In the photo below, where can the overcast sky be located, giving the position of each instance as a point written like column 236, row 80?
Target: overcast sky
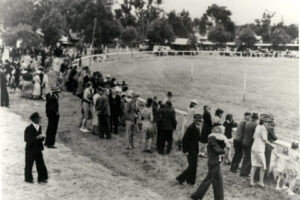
column 243, row 11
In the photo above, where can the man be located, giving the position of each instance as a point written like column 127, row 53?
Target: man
column 206, row 130
column 168, row 98
column 168, row 123
column 103, row 109
column 238, row 143
column 131, row 114
column 217, row 142
column 190, row 147
column 271, row 138
column 115, row 105
column 33, row 150
column 247, row 140
column 52, row 112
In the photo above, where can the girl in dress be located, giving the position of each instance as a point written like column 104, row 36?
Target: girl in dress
column 293, row 167
column 36, row 85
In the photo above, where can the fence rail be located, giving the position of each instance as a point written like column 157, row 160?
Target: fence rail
column 146, row 54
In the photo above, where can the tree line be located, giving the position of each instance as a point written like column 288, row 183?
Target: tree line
column 133, row 22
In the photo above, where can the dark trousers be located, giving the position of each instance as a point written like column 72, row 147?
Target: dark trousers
column 238, row 155
column 215, row 178
column 114, row 123
column 104, row 129
column 51, row 130
column 166, row 136
column 189, row 175
column 246, row 164
column 30, row 157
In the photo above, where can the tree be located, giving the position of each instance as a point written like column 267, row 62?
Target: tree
column 182, row 23
column 24, row 33
column 160, row 32
column 246, row 36
column 218, row 34
column 279, row 36
column 293, row 31
column 129, row 36
column 264, row 26
column 53, row 25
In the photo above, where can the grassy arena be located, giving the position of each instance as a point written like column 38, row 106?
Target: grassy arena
column 272, row 84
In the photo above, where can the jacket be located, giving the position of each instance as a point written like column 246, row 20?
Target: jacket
column 102, row 106
column 249, row 132
column 190, row 141
column 215, row 148
column 131, row 111
column 52, row 106
column 167, row 118
column 32, row 143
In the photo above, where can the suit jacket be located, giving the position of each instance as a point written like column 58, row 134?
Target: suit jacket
column 131, row 109
column 191, row 139
column 167, row 118
column 52, row 106
column 115, row 105
column 214, row 149
column 32, row 144
column 102, row 105
column 249, row 132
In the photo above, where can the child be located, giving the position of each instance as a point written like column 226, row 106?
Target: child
column 279, row 168
column 229, row 125
column 293, row 167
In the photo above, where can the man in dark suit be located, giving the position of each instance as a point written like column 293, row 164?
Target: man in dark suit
column 33, row 150
column 190, row 146
column 115, row 106
column 52, row 112
column 103, row 108
column 168, row 123
column 215, row 148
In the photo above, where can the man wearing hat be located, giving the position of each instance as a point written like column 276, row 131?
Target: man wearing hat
column 33, row 150
column 131, row 114
column 190, row 146
column 52, row 112
column 103, row 109
column 216, row 146
column 247, row 139
column 115, row 105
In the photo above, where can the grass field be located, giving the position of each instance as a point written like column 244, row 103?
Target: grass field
column 272, row 84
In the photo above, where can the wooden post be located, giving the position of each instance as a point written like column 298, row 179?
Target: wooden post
column 244, row 84
column 192, row 72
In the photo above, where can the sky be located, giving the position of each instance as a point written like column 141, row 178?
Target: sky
column 243, row 11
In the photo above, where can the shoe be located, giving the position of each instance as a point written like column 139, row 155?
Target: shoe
column 243, row 175
column 251, row 185
column 31, row 182
column 85, row 130
column 52, row 147
column 43, row 182
column 291, row 193
column 261, row 185
column 180, row 182
column 148, row 151
column 278, row 188
column 194, row 198
column 284, row 187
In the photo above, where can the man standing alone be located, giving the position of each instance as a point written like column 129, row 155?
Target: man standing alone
column 33, row 150
column 52, row 112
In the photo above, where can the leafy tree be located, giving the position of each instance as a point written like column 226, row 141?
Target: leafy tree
column 279, row 36
column 129, row 36
column 246, row 36
column 218, row 34
column 293, row 31
column 160, row 32
column 182, row 23
column 22, row 32
column 264, row 26
column 52, row 25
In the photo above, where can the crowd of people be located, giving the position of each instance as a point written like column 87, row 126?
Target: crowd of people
column 110, row 104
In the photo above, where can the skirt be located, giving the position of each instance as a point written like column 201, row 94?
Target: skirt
column 86, row 110
column 27, row 88
column 258, row 159
column 148, row 130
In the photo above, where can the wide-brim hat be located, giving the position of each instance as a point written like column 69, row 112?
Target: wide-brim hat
column 265, row 118
column 35, row 115
column 254, row 116
column 195, row 101
column 54, row 89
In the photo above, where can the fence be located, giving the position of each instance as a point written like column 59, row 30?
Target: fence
column 88, row 60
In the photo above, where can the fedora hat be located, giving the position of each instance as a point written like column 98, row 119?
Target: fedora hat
column 34, row 116
column 265, row 118
column 54, row 89
column 198, row 117
column 195, row 101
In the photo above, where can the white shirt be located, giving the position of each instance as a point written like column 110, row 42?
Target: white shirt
column 36, row 126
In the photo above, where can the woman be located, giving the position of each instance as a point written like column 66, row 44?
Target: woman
column 86, row 106
column 147, row 127
column 36, row 85
column 258, row 159
column 3, row 90
column 95, row 121
column 217, row 119
column 45, row 85
column 205, row 131
column 27, row 85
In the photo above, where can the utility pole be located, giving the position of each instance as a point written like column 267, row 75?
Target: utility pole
column 93, row 40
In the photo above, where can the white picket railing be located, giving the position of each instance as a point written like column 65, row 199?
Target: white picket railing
column 147, row 54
